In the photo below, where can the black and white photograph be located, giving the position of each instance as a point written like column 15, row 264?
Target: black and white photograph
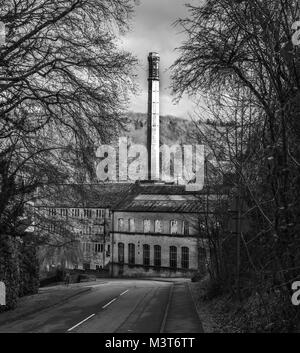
column 149, row 169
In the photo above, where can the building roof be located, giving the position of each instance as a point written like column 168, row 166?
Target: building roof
column 165, row 198
column 104, row 195
column 137, row 197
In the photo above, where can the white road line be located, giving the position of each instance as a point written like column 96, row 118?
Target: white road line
column 124, row 292
column 81, row 322
column 106, row 305
column 103, row 307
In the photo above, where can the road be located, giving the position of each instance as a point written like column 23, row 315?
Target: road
column 113, row 306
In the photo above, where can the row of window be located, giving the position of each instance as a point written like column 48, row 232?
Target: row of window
column 156, row 255
column 92, row 230
column 89, row 247
column 157, row 226
column 77, row 212
column 88, row 230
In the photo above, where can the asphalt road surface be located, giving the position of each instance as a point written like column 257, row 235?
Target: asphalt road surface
column 114, row 306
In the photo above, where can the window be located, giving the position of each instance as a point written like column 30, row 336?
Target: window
column 173, row 256
column 75, row 212
column 185, row 227
column 185, row 257
column 131, row 254
column 157, row 226
column 52, row 211
column 87, row 213
column 87, row 230
column 63, row 212
column 131, row 225
column 100, row 230
column 86, row 247
column 147, row 225
column 100, row 213
column 146, row 255
column 98, row 247
column 120, row 224
column 121, row 253
column 173, row 227
column 157, row 256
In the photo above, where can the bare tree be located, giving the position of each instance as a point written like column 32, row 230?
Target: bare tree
column 240, row 59
column 63, row 89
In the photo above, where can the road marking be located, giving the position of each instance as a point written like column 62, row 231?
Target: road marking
column 103, row 307
column 124, row 292
column 106, row 305
column 81, row 322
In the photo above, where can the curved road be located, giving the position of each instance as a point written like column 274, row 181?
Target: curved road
column 113, row 306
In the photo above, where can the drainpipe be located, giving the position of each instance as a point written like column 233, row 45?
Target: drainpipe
column 112, row 244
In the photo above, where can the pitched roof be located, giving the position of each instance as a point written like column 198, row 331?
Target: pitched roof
column 164, row 198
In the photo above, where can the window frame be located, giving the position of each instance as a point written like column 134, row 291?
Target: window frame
column 121, row 259
column 144, row 224
column 185, row 257
column 146, row 255
column 173, row 257
column 120, row 224
column 131, row 254
column 156, row 258
column 175, row 221
column 156, row 230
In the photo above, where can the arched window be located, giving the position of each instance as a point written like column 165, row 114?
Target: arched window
column 185, row 257
column 157, row 256
column 146, row 255
column 173, row 257
column 131, row 254
column 120, row 253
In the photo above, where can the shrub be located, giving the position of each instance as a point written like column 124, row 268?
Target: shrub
column 212, row 289
column 9, row 270
column 29, row 268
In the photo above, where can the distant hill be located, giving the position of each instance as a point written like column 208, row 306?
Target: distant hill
column 172, row 129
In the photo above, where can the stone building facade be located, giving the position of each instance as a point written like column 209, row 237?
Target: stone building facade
column 78, row 219
column 155, row 232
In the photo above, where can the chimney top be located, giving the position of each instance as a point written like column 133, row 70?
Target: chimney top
column 153, row 60
column 153, row 54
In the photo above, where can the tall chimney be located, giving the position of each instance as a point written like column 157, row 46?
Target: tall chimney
column 153, row 117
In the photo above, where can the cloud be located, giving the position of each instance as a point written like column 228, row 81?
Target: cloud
column 152, row 30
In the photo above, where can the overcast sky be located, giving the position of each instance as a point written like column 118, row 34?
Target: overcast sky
column 152, row 30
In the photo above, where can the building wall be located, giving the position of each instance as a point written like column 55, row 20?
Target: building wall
column 165, row 240
column 86, row 225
